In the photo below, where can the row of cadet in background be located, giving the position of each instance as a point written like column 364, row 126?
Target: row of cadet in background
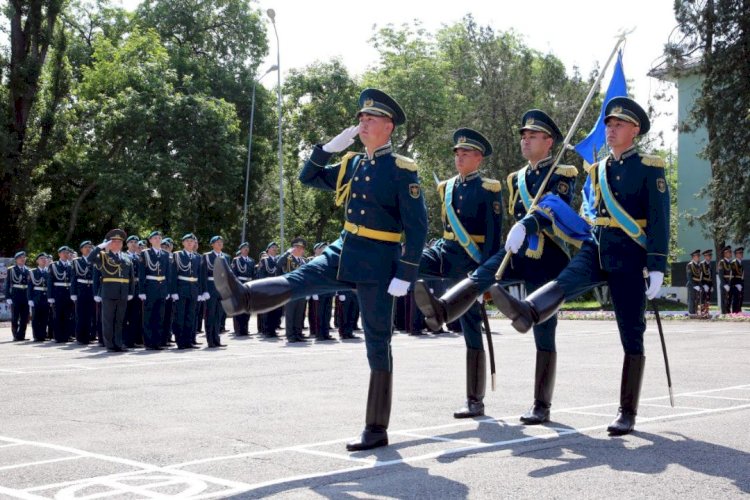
column 726, row 277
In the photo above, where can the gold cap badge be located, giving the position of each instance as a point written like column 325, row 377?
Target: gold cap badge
column 461, row 139
column 617, row 110
column 530, row 122
column 369, row 103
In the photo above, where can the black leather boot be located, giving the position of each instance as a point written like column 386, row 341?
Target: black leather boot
column 476, row 370
column 378, row 413
column 630, row 393
column 544, row 386
column 537, row 308
column 451, row 306
column 258, row 296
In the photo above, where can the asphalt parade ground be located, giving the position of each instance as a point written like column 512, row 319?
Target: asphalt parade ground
column 265, row 419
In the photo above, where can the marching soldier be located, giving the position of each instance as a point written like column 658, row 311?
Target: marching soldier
column 211, row 296
column 133, row 332
column 383, row 202
column 707, row 274
column 539, row 256
column 186, row 288
column 471, row 216
column 244, row 268
column 37, row 295
column 629, row 204
column 294, row 310
column 168, row 321
column 17, row 295
column 117, row 286
column 58, row 294
column 724, row 271
column 154, row 272
column 694, row 283
column 738, row 280
column 82, row 293
column 267, row 268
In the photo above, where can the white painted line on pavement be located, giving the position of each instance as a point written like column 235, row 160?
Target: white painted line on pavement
column 40, row 462
column 680, row 407
column 9, row 445
column 590, row 413
column 338, row 456
column 717, row 397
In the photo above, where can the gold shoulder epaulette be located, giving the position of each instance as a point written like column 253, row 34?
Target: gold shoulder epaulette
column 588, row 166
column 653, row 161
column 491, row 185
column 441, row 187
column 566, row 170
column 405, row 163
column 509, row 180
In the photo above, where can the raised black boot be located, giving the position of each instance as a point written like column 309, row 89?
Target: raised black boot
column 537, row 308
column 630, row 392
column 476, row 370
column 257, row 296
column 451, row 306
column 544, row 385
column 378, row 413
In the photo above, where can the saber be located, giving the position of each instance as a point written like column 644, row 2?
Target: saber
column 620, row 40
column 490, row 347
column 663, row 342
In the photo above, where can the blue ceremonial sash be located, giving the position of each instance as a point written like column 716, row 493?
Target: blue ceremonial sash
column 626, row 222
column 458, row 229
column 536, row 244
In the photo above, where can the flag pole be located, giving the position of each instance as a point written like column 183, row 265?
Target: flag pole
column 620, row 40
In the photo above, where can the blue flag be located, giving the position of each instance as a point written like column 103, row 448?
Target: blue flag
column 596, row 140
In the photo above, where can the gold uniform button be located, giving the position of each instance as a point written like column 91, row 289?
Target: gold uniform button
column 617, row 178
column 354, row 195
column 356, row 178
column 364, row 196
column 372, row 162
column 362, row 212
column 349, row 211
column 617, row 194
column 461, row 197
column 458, row 211
column 367, row 178
column 604, row 210
column 537, row 172
column 620, row 162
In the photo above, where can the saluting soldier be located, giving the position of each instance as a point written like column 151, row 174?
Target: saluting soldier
column 268, row 267
column 58, row 294
column 133, row 332
column 539, row 255
column 82, row 293
column 154, row 272
column 244, row 268
column 629, row 204
column 17, row 295
column 738, row 280
column 707, row 273
column 294, row 310
column 472, row 218
column 186, row 287
column 37, row 295
column 168, row 322
column 383, row 201
column 214, row 313
column 694, row 282
column 117, row 286
column 724, row 271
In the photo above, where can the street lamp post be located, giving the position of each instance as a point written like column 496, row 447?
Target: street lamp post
column 272, row 16
column 250, row 150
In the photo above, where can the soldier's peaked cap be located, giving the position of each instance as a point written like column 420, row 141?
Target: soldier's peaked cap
column 466, row 138
column 378, row 103
column 628, row 110
column 116, row 234
column 538, row 120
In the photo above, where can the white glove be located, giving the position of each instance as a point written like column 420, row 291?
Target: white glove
column 726, row 288
column 656, row 278
column 104, row 244
column 51, row 301
column 130, row 297
column 480, row 299
column 206, row 296
column 175, row 297
column 738, row 287
column 74, row 297
column 697, row 288
column 97, row 298
column 315, row 297
column 342, row 141
column 705, row 288
column 200, row 298
column 515, row 238
column 398, row 288
column 9, row 301
column 31, row 303
column 342, row 298
column 142, row 296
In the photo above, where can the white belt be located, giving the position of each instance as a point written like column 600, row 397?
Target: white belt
column 41, row 288
column 210, row 278
column 155, row 278
column 86, row 282
column 58, row 283
column 187, row 278
column 244, row 278
column 19, row 286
